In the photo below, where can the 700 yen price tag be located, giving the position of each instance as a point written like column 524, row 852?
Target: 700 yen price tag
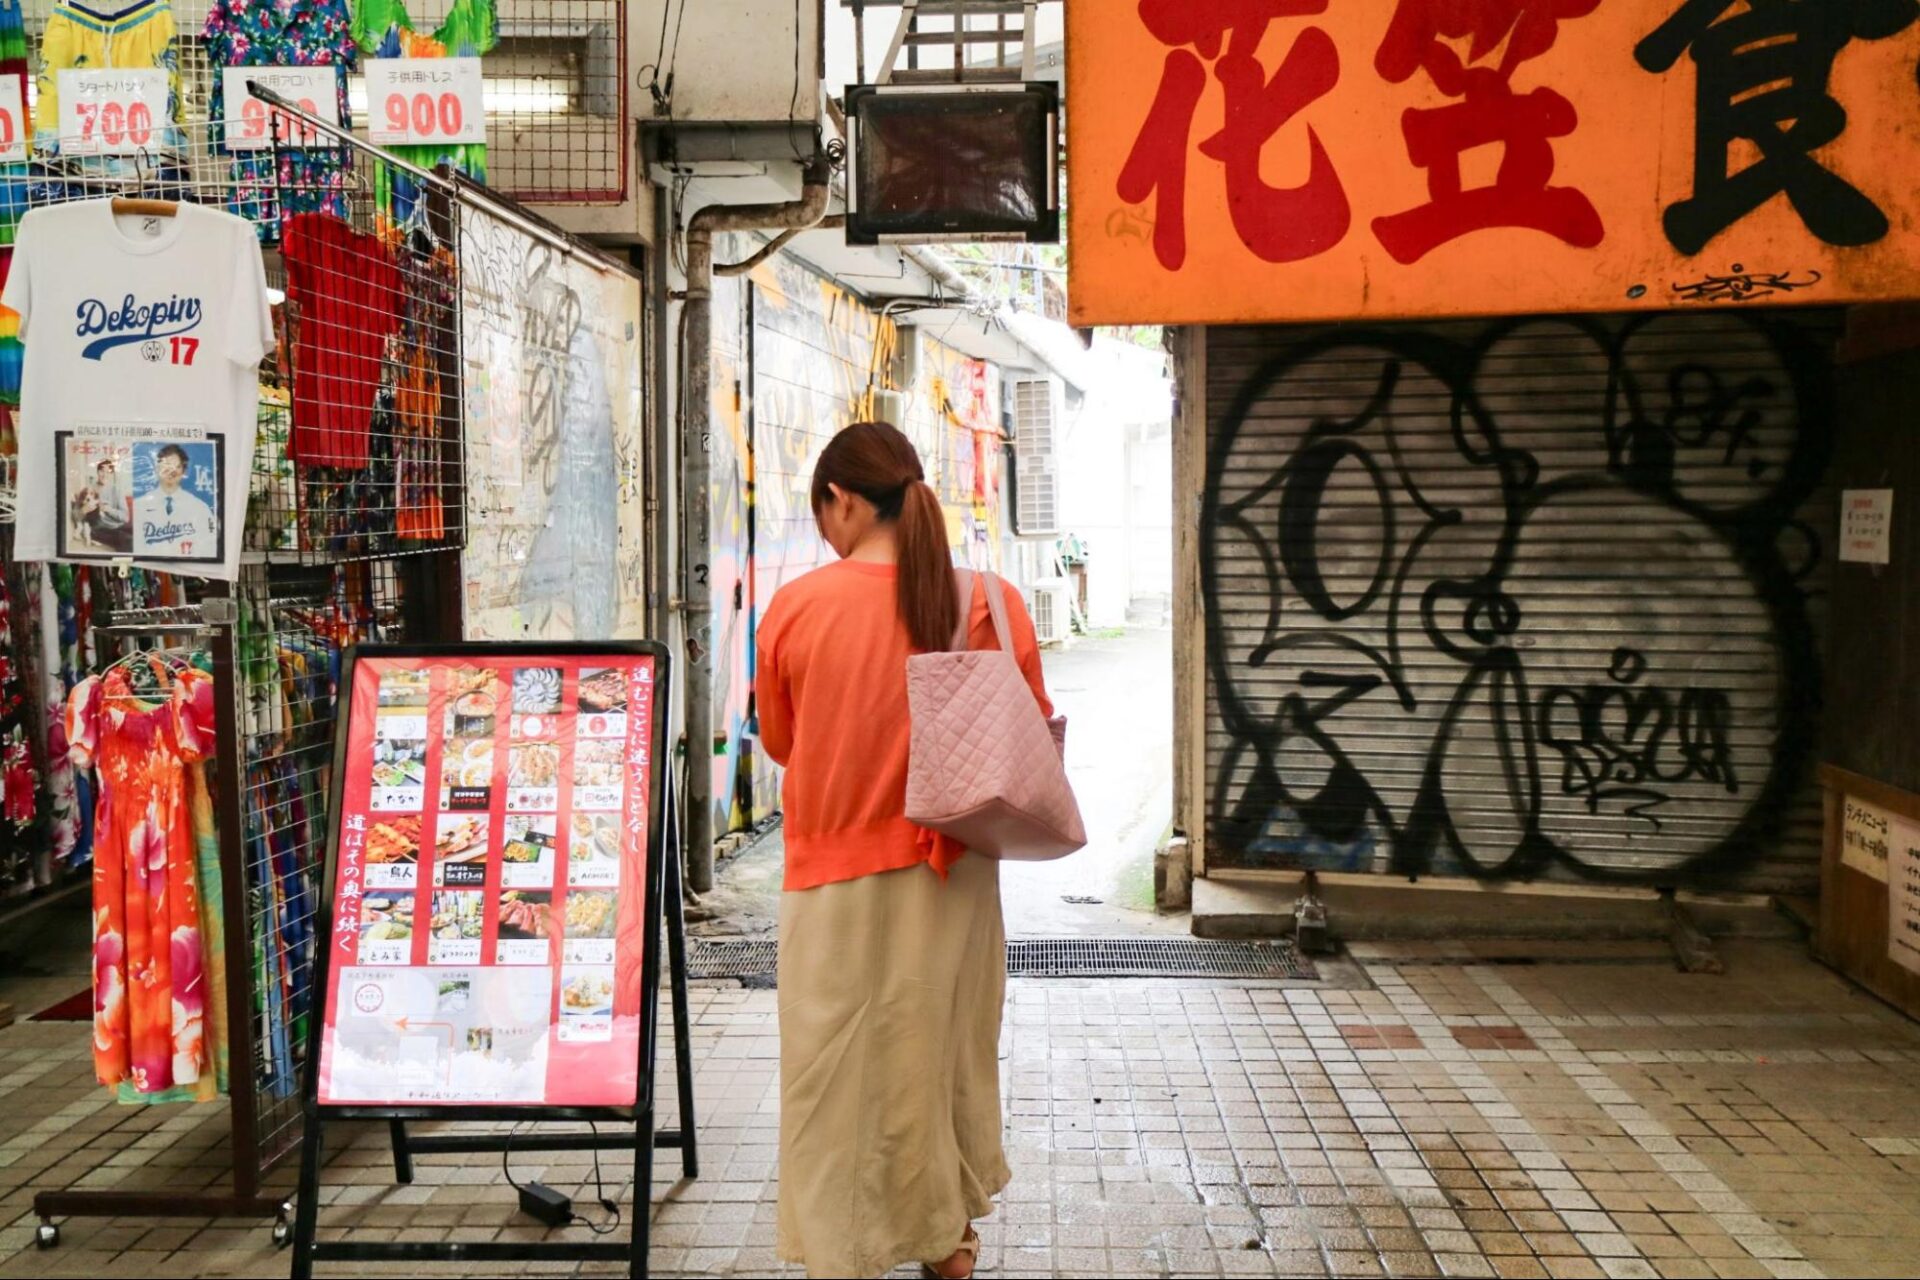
column 117, row 112
column 13, row 121
column 411, row 101
column 315, row 90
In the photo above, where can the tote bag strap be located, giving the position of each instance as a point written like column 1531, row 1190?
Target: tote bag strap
column 963, row 582
column 996, row 606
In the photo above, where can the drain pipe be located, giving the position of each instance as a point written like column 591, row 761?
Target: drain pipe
column 696, row 588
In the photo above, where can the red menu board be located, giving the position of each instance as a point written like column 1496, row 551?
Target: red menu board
column 489, row 877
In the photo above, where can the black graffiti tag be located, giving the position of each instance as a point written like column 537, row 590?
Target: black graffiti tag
column 1448, row 666
column 1632, row 745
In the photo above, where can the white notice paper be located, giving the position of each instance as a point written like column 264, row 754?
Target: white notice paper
column 1903, row 895
column 1866, row 525
column 1865, row 833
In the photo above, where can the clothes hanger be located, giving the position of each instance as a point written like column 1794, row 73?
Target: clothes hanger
column 142, row 206
column 173, row 662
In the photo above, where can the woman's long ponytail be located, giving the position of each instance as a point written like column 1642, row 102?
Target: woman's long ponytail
column 929, row 604
column 878, row 462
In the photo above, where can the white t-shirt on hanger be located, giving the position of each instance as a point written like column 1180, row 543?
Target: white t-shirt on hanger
column 140, row 397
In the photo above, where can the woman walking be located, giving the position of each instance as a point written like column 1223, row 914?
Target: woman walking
column 892, row 950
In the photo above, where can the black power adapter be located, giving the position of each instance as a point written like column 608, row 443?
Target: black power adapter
column 543, row 1204
column 537, row 1200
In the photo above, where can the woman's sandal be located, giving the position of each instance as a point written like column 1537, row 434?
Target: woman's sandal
column 969, row 1250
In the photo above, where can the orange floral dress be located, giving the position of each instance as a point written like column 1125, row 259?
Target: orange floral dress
column 149, row 979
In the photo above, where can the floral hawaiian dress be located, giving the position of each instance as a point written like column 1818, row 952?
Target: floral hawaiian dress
column 285, row 33
column 150, row 988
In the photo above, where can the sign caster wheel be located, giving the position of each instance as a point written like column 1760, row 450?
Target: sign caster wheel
column 47, row 1236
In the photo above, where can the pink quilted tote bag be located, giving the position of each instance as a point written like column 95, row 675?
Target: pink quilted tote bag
column 985, row 767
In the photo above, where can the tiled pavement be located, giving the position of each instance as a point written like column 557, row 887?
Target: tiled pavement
column 1449, row 1117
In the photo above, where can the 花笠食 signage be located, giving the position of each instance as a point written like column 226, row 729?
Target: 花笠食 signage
column 1251, row 160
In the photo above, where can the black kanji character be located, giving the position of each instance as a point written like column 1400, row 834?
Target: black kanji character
column 1762, row 76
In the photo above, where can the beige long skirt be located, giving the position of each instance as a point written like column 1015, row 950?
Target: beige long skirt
column 891, row 988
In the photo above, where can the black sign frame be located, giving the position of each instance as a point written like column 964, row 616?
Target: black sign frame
column 662, row 906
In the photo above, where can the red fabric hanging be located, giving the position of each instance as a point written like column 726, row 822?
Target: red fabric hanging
column 347, row 288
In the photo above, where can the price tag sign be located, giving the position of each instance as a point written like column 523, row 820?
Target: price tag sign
column 120, row 112
column 13, row 121
column 415, row 101
column 315, row 90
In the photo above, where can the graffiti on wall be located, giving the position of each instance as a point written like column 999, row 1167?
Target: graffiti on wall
column 555, row 440
column 1534, row 604
column 797, row 358
column 954, row 420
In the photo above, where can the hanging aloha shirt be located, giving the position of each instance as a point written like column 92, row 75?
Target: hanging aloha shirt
column 281, row 33
column 150, row 988
column 383, row 30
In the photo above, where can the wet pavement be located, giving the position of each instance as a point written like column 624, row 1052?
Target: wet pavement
column 1117, row 694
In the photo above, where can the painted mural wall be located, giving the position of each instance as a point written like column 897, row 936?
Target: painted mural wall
column 797, row 358
column 554, row 353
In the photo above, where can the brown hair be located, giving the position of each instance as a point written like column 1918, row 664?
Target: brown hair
column 878, row 462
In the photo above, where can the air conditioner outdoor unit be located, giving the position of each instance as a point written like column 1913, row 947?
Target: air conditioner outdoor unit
column 1052, row 611
column 1038, row 407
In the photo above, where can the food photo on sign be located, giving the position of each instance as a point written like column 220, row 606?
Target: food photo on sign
column 498, row 950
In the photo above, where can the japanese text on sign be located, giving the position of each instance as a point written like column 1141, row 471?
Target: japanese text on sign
column 413, row 101
column 1292, row 159
column 1866, row 526
column 250, row 122
column 1903, row 895
column 488, row 881
column 118, row 112
column 1864, row 833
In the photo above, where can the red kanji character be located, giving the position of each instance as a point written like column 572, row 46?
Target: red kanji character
column 1413, row 39
column 1489, row 112
column 1280, row 224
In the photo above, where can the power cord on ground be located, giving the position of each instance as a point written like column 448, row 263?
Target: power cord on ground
column 543, row 1203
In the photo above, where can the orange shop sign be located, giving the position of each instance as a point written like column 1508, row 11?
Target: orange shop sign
column 1257, row 160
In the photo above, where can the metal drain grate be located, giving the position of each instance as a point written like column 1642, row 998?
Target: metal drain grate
column 1057, row 958
column 731, row 957
column 1153, row 958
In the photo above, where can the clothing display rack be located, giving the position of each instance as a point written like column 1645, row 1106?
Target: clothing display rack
column 339, row 551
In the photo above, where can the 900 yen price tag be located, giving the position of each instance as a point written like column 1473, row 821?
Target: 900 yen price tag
column 411, row 101
column 13, row 121
column 250, row 126
column 117, row 112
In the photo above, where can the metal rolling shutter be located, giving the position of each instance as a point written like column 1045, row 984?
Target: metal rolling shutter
column 1528, row 599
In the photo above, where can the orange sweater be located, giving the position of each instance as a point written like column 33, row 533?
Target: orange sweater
column 831, row 691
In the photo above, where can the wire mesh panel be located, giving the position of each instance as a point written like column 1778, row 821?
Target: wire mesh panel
column 293, row 625
column 557, row 100
column 361, row 455
column 359, row 447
